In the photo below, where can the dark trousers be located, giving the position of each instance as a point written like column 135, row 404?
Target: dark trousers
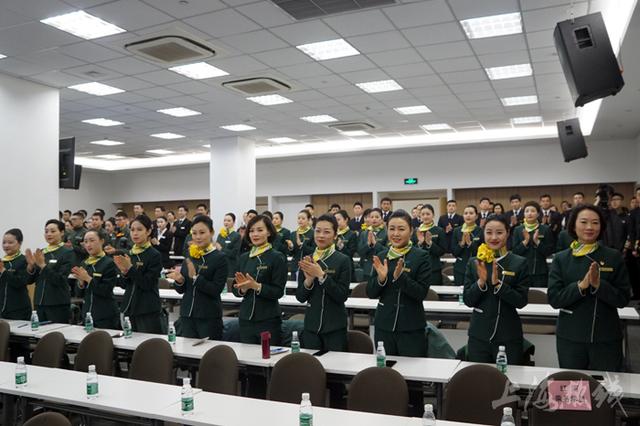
column 57, row 313
column 250, row 330
column 403, row 343
column 21, row 314
column 110, row 323
column 147, row 323
column 331, row 341
column 604, row 356
column 485, row 351
column 200, row 328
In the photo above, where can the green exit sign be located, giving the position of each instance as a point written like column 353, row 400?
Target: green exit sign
column 410, row 181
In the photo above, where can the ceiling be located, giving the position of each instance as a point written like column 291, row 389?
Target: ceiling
column 419, row 44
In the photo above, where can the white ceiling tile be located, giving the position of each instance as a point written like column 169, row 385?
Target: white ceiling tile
column 508, row 43
column 409, row 70
column 547, row 67
column 422, row 13
column 130, row 14
column 544, row 54
column 538, row 4
column 543, row 19
column 129, row 65
column 128, row 98
column 476, row 86
column 396, row 57
column 346, row 90
column 509, row 83
column 540, row 39
column 358, row 23
column 89, row 52
column 283, row 57
column 21, row 68
column 33, row 36
column 455, row 49
column 93, row 73
column 255, row 41
column 51, row 59
column 304, row 70
column 37, row 9
column 465, row 9
column 266, row 14
column 433, row 34
column 323, row 82
column 504, row 59
column 9, row 18
column 189, row 87
column 128, row 83
column 480, row 95
column 158, row 93
column 305, row 32
column 379, row 42
column 464, row 76
column 365, row 75
column 162, row 77
column 348, row 64
column 239, row 65
column 222, row 23
column 234, row 3
column 56, row 79
column 192, row 7
column 421, row 81
column 455, row 64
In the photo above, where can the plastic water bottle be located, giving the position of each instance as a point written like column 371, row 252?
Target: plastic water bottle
column 461, row 299
column 381, row 355
column 21, row 373
column 171, row 336
column 186, row 397
column 126, row 328
column 225, row 289
column 92, row 383
column 501, row 360
column 35, row 321
column 88, row 323
column 428, row 418
column 507, row 417
column 295, row 343
column 306, row 411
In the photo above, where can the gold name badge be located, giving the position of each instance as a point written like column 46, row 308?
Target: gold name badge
column 97, row 275
column 204, row 267
column 606, row 269
column 262, row 268
column 406, row 269
column 330, row 271
column 476, row 239
column 139, row 264
column 509, row 273
column 53, row 261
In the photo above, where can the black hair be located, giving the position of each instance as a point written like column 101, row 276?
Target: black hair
column 331, row 219
column 162, row 209
column 309, row 205
column 306, row 213
column 69, row 211
column 182, row 206
column 233, row 216
column 122, row 214
column 202, row 205
column 498, row 204
column 78, row 213
column 267, row 222
column 163, row 218
column 83, row 212
column 452, row 201
column 56, row 222
column 99, row 214
column 357, row 203
column 579, row 193
column 95, row 231
column 16, row 233
column 385, row 199
column 428, row 207
column 171, row 212
column 471, row 206
column 344, row 214
column 617, row 194
column 203, row 219
column 533, row 204
column 366, row 213
column 279, row 213
column 515, row 197
column 268, row 213
column 497, row 218
column 376, row 209
column 139, row 204
column 485, row 198
column 112, row 220
column 334, row 205
column 401, row 214
column 571, row 225
column 545, row 196
column 144, row 220
column 252, row 211
column 101, row 211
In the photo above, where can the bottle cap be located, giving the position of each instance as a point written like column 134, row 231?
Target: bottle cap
column 92, row 368
column 428, row 408
column 20, row 359
column 507, row 411
column 380, row 343
column 294, row 334
column 501, row 348
column 305, row 396
column 186, row 381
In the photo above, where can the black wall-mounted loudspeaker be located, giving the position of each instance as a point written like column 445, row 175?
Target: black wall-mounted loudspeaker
column 66, row 163
column 587, row 59
column 571, row 140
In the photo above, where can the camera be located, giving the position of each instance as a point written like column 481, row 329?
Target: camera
column 603, row 194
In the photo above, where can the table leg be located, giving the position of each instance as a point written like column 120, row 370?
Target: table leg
column 439, row 398
column 8, row 410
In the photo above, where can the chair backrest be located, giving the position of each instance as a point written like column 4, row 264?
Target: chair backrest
column 218, row 371
column 379, row 390
column 360, row 290
column 5, row 333
column 432, row 295
column 359, row 342
column 49, row 351
column 48, row 419
column 538, row 297
column 96, row 348
column 164, row 284
column 446, row 280
column 296, row 374
column 483, row 391
column 230, row 282
column 540, row 413
column 153, row 362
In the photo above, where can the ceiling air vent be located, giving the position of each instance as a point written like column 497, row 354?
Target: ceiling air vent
column 257, row 86
column 171, row 48
column 305, row 9
column 141, row 156
column 352, row 126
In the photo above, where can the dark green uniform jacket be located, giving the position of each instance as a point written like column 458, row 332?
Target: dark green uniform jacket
column 52, row 287
column 270, row 270
column 437, row 249
column 494, row 309
column 98, row 294
column 463, row 254
column 347, row 244
column 280, row 242
column 325, row 311
column 536, row 255
column 231, row 250
column 76, row 237
column 564, row 240
column 400, row 305
column 14, row 297
column 307, row 247
column 590, row 316
column 202, row 296
column 366, row 252
column 141, row 295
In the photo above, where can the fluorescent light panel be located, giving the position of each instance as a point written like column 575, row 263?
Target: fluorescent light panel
column 355, row 133
column 410, row 110
column 83, row 25
column 282, row 140
column 268, row 100
column 179, row 112
column 2, row 56
column 207, row 146
column 509, row 71
column 238, row 127
column 167, row 135
column 519, row 100
column 199, row 71
column 160, row 151
column 106, row 142
column 319, row 118
column 527, row 120
column 329, row 49
column 379, row 86
column 436, row 126
column 110, row 156
column 97, row 89
column 493, row 26
column 104, row 122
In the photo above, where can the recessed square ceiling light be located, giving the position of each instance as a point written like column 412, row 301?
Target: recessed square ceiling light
column 97, row 89
column 282, row 140
column 107, row 142
column 104, row 122
column 167, row 135
column 436, row 126
column 527, row 120
column 199, row 71
column 329, row 49
column 160, row 151
column 2, row 56
column 379, row 86
column 410, row 110
column 493, row 26
column 268, row 100
column 319, row 118
column 83, row 25
column 238, row 127
column 519, row 100
column 179, row 112
column 207, row 146
column 110, row 156
column 509, row 71
column 355, row 133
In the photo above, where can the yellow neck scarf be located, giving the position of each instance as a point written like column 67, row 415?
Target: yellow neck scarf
column 137, row 249
column 257, row 251
column 396, row 253
column 578, row 249
column 304, row 230
column 196, row 252
column 363, row 226
column 486, row 254
column 322, row 254
column 424, row 227
column 92, row 260
column 530, row 227
column 50, row 249
column 343, row 231
column 224, row 232
column 375, row 229
column 279, row 228
column 468, row 228
column 12, row 257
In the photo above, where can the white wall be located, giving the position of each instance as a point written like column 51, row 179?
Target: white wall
column 29, row 120
column 96, row 191
column 290, row 206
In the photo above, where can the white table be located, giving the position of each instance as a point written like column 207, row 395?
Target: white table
column 23, row 328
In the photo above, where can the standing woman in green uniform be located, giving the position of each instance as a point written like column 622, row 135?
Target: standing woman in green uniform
column 283, row 244
column 14, row 297
column 535, row 242
column 347, row 240
column 564, row 240
column 371, row 241
column 302, row 240
column 228, row 242
column 201, row 279
column 97, row 275
column 400, row 282
column 324, row 286
column 49, row 269
column 588, row 283
column 260, row 281
column 139, row 275
column 466, row 240
column 496, row 284
column 431, row 238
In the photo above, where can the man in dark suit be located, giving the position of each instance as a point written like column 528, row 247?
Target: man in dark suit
column 355, row 223
column 450, row 221
column 181, row 228
column 549, row 217
column 515, row 216
column 385, row 206
column 485, row 211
